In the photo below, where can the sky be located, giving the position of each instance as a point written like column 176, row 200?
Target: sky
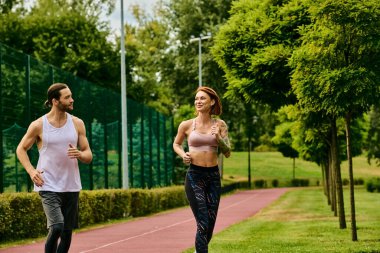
column 115, row 17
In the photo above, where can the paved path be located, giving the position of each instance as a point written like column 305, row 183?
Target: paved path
column 168, row 232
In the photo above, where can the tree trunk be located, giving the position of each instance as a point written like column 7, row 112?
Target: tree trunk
column 294, row 168
column 249, row 161
column 332, row 183
column 338, row 178
column 327, row 181
column 351, row 175
column 249, row 131
column 323, row 171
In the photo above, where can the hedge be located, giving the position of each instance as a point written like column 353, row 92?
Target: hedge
column 373, row 185
column 22, row 216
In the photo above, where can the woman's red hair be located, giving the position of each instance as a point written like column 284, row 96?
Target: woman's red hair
column 216, row 108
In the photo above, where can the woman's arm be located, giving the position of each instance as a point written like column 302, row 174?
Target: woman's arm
column 178, row 141
column 223, row 140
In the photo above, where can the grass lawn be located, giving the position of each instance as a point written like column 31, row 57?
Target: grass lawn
column 301, row 221
column 272, row 165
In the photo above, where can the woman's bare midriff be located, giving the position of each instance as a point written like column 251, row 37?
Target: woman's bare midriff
column 204, row 158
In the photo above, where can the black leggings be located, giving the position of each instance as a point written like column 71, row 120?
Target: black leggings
column 56, row 232
column 202, row 186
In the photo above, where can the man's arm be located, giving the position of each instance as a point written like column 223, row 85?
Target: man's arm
column 84, row 153
column 25, row 144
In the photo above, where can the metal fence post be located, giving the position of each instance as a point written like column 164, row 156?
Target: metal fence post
column 131, row 150
column 90, row 166
column 28, row 111
column 142, row 181
column 172, row 133
column 120, row 180
column 105, row 139
column 1, row 123
column 165, row 153
column 150, row 150
column 158, row 149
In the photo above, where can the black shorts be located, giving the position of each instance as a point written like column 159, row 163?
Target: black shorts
column 61, row 207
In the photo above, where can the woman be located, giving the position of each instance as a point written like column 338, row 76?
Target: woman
column 206, row 137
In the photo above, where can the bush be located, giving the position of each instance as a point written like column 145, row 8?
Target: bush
column 22, row 216
column 357, row 181
column 260, row 183
column 5, row 218
column 103, row 205
column 231, row 186
column 297, row 182
column 275, row 183
column 373, row 185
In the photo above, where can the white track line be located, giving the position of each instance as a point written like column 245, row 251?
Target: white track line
column 163, row 228
column 238, row 203
column 136, row 236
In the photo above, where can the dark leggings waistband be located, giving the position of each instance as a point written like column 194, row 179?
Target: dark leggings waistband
column 201, row 168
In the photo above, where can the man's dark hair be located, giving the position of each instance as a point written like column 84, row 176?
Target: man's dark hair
column 54, row 91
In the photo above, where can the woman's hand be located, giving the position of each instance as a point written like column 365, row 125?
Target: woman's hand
column 215, row 130
column 186, row 158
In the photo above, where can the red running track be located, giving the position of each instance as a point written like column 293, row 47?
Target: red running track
column 168, row 232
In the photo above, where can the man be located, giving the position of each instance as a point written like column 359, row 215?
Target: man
column 56, row 178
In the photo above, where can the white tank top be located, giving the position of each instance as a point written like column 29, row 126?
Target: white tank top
column 61, row 174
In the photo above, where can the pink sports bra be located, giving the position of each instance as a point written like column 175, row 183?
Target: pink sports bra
column 202, row 142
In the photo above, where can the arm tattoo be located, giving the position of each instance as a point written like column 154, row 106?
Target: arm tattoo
column 224, row 142
column 224, row 145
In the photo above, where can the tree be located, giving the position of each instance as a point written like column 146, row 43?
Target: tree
column 284, row 139
column 310, row 136
column 337, row 66
column 66, row 34
column 148, row 42
column 8, row 6
column 372, row 143
column 253, row 48
column 184, row 19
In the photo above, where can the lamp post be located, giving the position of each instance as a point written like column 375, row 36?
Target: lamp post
column 199, row 39
column 124, row 128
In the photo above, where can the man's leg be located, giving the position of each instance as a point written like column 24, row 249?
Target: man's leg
column 55, row 232
column 70, row 213
column 51, row 203
column 65, row 243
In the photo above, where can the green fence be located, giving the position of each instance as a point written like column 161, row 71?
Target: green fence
column 23, row 85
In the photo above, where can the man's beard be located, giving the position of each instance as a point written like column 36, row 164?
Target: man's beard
column 65, row 108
